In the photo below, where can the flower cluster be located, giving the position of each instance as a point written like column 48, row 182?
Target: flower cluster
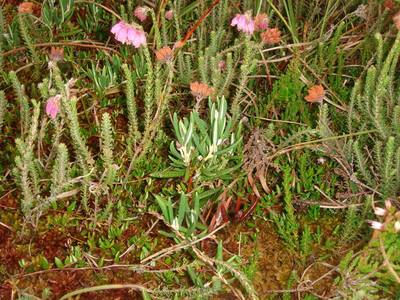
column 261, row 22
column 53, row 106
column 26, row 8
column 245, row 23
column 200, row 90
column 165, row 54
column 169, row 15
column 316, row 93
column 271, row 36
column 141, row 13
column 129, row 34
column 390, row 216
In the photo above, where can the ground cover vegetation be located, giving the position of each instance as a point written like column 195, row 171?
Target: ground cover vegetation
column 208, row 149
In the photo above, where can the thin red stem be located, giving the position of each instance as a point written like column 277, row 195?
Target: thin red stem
column 197, row 24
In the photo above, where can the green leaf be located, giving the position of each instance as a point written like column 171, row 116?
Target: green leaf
column 170, row 211
column 218, row 255
column 58, row 262
column 207, row 194
column 163, row 206
column 168, row 173
column 44, row 264
column 193, row 276
column 71, row 207
column 183, row 207
column 146, row 295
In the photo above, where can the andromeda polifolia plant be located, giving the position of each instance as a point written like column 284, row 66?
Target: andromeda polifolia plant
column 205, row 150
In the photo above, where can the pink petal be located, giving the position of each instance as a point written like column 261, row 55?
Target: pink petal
column 127, row 34
column 243, row 23
column 169, row 14
column 122, row 35
column 117, row 27
column 263, row 26
column 52, row 106
column 130, row 34
column 138, row 38
column 235, row 20
column 379, row 211
column 376, row 225
column 141, row 13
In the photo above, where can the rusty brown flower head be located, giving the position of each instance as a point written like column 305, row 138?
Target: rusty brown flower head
column 26, row 8
column 56, row 54
column 389, row 4
column 164, row 54
column 200, row 90
column 396, row 20
column 261, row 22
column 316, row 93
column 271, row 36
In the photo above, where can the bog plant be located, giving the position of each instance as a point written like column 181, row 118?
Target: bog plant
column 371, row 158
column 374, row 110
column 161, row 80
column 205, row 150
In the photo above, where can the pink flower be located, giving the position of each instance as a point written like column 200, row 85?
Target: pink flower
column 53, row 106
column 379, row 211
column 127, row 34
column 376, row 225
column 141, row 13
column 243, row 23
column 169, row 14
column 222, row 65
column 261, row 22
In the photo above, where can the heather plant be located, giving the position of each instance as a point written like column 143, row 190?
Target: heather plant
column 379, row 259
column 370, row 158
column 287, row 225
column 373, row 110
column 25, row 21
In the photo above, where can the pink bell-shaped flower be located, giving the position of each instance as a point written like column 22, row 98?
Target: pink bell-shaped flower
column 244, row 23
column 128, row 34
column 53, row 106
